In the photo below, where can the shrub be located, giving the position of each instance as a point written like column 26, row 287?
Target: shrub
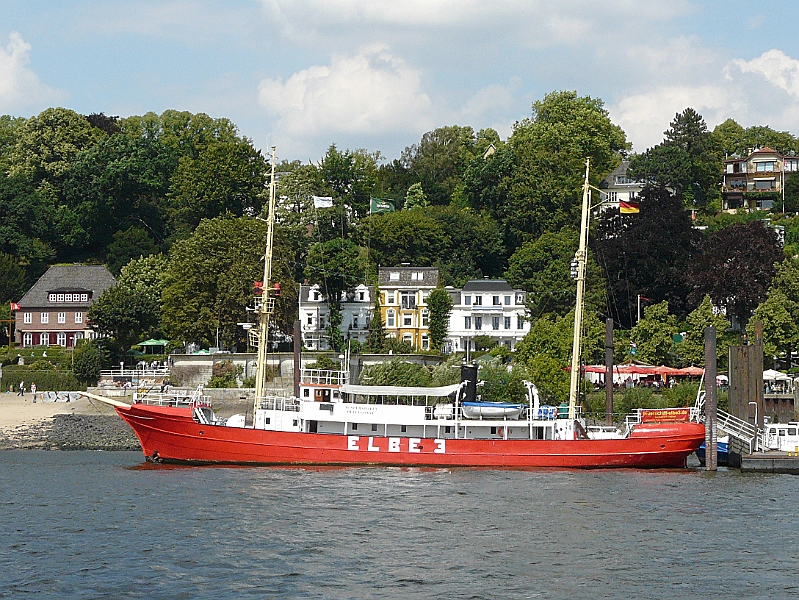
column 484, row 342
column 86, row 361
column 325, row 363
column 52, row 380
column 224, row 375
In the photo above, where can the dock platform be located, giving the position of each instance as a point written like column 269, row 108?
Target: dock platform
column 770, row 462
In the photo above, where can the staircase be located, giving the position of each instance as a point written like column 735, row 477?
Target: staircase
column 743, row 431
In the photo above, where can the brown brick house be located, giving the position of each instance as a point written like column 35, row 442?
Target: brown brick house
column 53, row 311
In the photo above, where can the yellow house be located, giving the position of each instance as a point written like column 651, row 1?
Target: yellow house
column 403, row 298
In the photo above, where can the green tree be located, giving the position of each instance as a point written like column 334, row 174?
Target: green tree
column 132, row 243
column 396, row 372
column 209, row 281
column 86, row 361
column 225, row 177
column 415, row 197
column 692, row 347
column 792, row 193
column 376, row 337
column 654, row 335
column 734, row 140
column 439, row 303
column 646, row 254
column 689, row 160
column 735, row 266
column 123, row 315
column 12, row 279
column 542, row 268
column 780, row 331
column 548, row 153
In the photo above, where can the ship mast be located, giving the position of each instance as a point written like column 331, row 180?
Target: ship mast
column 582, row 253
column 267, row 305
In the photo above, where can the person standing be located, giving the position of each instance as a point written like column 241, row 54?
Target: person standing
column 33, row 391
column 21, row 389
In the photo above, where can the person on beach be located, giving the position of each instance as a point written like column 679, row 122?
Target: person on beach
column 33, row 391
column 21, row 389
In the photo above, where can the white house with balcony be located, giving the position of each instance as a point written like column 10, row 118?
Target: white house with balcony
column 314, row 315
column 486, row 307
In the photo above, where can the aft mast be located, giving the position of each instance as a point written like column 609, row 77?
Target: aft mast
column 267, row 304
column 578, row 310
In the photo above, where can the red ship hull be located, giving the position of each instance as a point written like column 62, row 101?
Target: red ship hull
column 171, row 435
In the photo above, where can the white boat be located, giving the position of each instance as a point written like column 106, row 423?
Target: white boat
column 603, row 432
column 491, row 410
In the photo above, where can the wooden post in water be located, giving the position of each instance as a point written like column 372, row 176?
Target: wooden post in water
column 609, row 371
column 297, row 356
column 711, row 445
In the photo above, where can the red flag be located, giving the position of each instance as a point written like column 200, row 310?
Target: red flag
column 15, row 306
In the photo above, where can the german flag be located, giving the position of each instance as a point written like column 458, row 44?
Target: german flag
column 629, row 208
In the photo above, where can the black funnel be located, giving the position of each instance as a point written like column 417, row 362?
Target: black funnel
column 469, row 373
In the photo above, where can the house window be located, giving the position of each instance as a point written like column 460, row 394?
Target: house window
column 467, row 322
column 507, row 322
column 67, row 297
column 507, row 300
column 792, row 164
column 355, row 322
column 62, row 317
column 467, row 300
column 44, row 317
column 495, row 323
column 84, row 297
column 519, row 298
column 393, row 276
column 27, row 339
column 519, row 322
column 61, row 339
column 390, row 319
column 78, row 336
column 407, row 337
column 310, row 320
column 60, row 297
column 425, row 342
column 51, row 297
column 495, row 301
column 763, row 167
column 425, row 318
column 764, row 185
column 478, row 300
column 408, row 300
column 321, row 322
column 360, row 295
column 407, row 320
column 27, row 318
column 425, row 296
column 478, row 322
column 613, row 197
column 44, row 339
column 316, row 295
column 390, row 298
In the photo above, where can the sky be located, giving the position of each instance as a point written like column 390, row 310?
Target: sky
column 377, row 74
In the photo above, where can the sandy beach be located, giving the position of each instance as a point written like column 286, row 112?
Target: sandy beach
column 81, row 425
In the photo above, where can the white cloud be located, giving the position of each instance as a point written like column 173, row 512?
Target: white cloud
column 778, row 68
column 19, row 86
column 364, row 94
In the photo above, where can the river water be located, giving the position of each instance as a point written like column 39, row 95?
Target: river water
column 105, row 525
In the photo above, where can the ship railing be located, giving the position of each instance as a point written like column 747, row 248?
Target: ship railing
column 288, row 403
column 542, row 413
column 173, row 397
column 323, row 377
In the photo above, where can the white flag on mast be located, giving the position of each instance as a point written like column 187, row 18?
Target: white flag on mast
column 322, row 202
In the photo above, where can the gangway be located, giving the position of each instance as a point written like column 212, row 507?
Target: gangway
column 747, row 433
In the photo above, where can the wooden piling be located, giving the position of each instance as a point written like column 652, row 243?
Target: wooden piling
column 711, row 445
column 609, row 371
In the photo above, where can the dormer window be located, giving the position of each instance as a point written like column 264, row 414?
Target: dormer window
column 393, row 276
